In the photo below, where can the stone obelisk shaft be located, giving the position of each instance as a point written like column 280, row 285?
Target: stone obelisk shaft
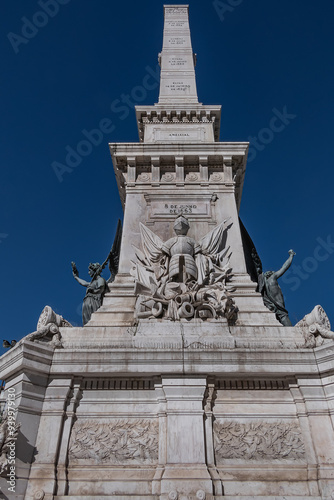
column 178, row 84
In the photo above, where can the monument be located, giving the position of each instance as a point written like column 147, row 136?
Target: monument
column 187, row 380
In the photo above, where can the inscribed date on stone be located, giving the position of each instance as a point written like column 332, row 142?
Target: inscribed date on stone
column 169, row 209
column 180, row 209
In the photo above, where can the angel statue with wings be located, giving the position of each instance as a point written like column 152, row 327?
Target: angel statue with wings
column 183, row 278
column 98, row 286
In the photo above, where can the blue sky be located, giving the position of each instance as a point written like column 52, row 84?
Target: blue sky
column 258, row 59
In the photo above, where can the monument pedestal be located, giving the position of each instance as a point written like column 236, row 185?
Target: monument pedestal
column 151, row 416
column 183, row 385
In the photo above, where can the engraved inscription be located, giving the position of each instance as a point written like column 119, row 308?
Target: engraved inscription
column 176, row 24
column 176, row 133
column 177, row 40
column 180, row 209
column 176, row 10
column 178, row 87
column 177, row 61
column 169, row 209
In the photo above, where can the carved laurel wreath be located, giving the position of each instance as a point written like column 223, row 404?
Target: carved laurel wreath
column 258, row 441
column 119, row 441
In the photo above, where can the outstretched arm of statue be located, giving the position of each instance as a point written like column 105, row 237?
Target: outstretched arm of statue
column 75, row 273
column 286, row 265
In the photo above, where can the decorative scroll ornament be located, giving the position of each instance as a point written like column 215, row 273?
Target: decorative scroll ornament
column 120, row 441
column 258, row 441
column 182, row 278
column 8, row 436
column 315, row 327
column 48, row 328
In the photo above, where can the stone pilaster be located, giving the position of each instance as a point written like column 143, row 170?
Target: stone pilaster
column 43, row 476
column 186, row 471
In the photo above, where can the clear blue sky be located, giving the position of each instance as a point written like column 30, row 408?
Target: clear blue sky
column 63, row 77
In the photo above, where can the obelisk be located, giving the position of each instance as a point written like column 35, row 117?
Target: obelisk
column 183, row 385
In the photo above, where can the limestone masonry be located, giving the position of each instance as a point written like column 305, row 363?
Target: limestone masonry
column 184, row 384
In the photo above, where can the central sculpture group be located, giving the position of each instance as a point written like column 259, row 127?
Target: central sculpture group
column 183, row 278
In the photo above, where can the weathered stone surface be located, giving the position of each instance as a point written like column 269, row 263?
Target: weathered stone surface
column 259, row 440
column 121, row 441
column 199, row 408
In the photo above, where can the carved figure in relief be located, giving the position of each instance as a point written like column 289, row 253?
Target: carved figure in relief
column 8, row 435
column 271, row 291
column 98, row 286
column 183, row 278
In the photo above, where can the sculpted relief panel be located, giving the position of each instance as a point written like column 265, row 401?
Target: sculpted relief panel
column 182, row 278
column 258, row 441
column 119, row 441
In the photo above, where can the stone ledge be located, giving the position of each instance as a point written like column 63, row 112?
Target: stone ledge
column 274, row 497
column 114, row 497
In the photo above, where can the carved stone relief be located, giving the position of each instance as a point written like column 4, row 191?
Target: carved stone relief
column 119, row 441
column 257, row 441
column 183, row 278
column 192, row 177
column 48, row 326
column 144, row 177
column 168, row 177
column 9, row 430
column 315, row 327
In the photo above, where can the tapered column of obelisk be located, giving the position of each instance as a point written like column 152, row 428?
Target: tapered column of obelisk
column 177, row 83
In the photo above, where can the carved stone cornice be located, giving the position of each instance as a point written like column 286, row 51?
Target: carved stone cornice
column 220, row 165
column 178, row 113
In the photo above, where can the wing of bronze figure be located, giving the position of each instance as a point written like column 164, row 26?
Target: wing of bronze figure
column 113, row 257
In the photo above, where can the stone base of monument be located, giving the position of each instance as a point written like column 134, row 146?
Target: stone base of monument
column 195, row 419
column 182, row 385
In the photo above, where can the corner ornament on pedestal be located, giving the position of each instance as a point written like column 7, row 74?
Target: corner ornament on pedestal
column 48, row 329
column 182, row 278
column 315, row 327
